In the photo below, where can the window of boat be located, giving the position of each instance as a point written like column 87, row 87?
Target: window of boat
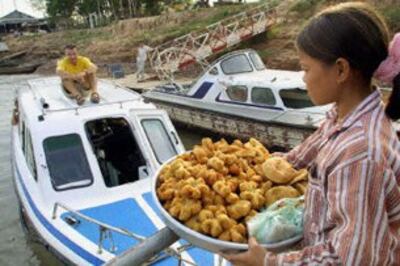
column 295, row 98
column 236, row 64
column 159, row 139
column 29, row 155
column 118, row 154
column 67, row 162
column 237, row 93
column 262, row 95
column 257, row 61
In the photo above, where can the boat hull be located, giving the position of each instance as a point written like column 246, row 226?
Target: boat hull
column 27, row 216
column 38, row 222
column 34, row 234
column 24, row 69
column 272, row 134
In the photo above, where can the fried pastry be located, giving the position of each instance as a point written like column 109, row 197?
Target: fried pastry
column 222, row 188
column 278, row 170
column 193, row 188
column 239, row 209
column 215, row 163
column 217, row 187
column 183, row 209
column 212, row 227
column 279, row 192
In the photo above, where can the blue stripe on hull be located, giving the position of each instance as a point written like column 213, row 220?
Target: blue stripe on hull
column 202, row 90
column 125, row 214
column 56, row 233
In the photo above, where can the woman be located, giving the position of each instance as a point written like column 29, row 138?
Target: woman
column 352, row 214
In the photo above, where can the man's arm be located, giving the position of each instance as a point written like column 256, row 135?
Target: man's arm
column 66, row 75
column 91, row 68
column 148, row 48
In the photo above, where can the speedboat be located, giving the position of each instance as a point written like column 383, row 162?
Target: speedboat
column 83, row 173
column 238, row 96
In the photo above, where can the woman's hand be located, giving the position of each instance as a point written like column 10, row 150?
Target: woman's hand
column 254, row 256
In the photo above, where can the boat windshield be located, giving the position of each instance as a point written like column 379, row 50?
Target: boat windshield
column 236, row 64
column 157, row 135
column 67, row 162
column 118, row 154
column 257, row 62
column 295, row 98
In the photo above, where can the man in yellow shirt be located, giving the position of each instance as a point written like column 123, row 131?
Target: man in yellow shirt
column 78, row 75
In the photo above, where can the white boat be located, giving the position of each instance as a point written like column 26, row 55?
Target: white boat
column 82, row 173
column 238, row 96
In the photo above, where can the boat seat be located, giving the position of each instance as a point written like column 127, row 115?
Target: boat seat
column 110, row 174
column 113, row 175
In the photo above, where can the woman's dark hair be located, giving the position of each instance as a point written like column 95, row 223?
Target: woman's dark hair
column 356, row 32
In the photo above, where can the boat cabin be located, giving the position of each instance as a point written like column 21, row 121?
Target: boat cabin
column 121, row 139
column 237, row 89
column 241, row 78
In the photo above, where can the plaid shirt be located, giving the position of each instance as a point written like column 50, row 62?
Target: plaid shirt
column 352, row 214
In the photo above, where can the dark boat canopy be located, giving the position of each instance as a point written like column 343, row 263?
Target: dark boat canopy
column 17, row 20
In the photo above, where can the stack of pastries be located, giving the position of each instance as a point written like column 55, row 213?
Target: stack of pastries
column 217, row 187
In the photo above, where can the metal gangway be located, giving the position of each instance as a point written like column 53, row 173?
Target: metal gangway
column 195, row 47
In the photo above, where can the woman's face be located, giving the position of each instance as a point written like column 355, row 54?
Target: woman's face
column 320, row 79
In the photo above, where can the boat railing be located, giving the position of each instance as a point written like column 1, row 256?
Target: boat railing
column 106, row 230
column 46, row 108
column 78, row 108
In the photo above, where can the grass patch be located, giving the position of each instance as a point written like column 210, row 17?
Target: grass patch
column 271, row 3
column 265, row 53
column 274, row 31
column 392, row 15
column 305, row 6
column 83, row 37
column 170, row 32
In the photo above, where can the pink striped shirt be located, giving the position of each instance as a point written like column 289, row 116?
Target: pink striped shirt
column 352, row 212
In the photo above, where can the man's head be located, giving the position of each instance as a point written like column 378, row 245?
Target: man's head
column 71, row 52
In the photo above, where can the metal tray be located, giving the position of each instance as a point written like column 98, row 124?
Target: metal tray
column 207, row 242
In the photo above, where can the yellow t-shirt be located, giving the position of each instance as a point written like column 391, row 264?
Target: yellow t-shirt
column 82, row 64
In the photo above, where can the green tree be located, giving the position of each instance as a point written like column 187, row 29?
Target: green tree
column 86, row 7
column 118, row 9
column 39, row 4
column 60, row 8
column 153, row 7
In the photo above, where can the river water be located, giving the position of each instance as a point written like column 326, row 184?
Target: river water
column 16, row 248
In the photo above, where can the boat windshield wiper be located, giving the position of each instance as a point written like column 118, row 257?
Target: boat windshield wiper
column 79, row 183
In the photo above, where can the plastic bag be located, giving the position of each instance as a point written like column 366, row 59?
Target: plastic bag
column 280, row 221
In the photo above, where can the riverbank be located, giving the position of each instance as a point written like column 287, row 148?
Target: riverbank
column 117, row 43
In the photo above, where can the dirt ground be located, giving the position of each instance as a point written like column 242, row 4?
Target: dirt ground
column 118, row 42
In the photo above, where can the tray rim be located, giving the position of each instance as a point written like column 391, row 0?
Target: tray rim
column 186, row 233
